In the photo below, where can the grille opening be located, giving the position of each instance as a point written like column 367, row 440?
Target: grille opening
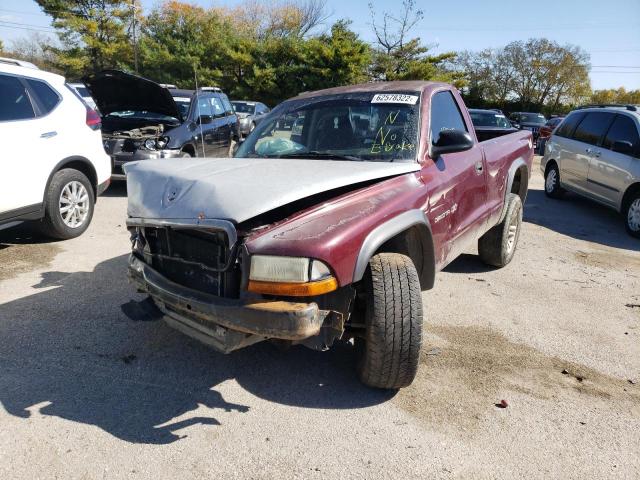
column 196, row 259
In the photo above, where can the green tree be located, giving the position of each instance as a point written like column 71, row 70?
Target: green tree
column 399, row 57
column 620, row 95
column 94, row 34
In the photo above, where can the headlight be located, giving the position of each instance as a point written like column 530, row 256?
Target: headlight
column 290, row 276
column 150, row 144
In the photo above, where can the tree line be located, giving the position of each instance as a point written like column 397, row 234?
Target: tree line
column 272, row 50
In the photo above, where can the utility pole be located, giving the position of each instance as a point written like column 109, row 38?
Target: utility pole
column 135, row 40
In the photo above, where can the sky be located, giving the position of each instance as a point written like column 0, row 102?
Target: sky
column 608, row 30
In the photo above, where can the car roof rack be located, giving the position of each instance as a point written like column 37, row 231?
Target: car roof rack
column 630, row 107
column 210, row 89
column 17, row 63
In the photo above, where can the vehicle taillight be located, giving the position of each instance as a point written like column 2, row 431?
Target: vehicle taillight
column 93, row 119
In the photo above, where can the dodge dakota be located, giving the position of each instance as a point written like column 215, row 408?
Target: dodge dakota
column 330, row 230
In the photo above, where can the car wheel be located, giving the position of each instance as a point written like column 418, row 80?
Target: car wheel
column 69, row 204
column 552, row 186
column 498, row 245
column 390, row 350
column 632, row 215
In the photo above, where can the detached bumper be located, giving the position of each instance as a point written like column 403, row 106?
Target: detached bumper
column 225, row 324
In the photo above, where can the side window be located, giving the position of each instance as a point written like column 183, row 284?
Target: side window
column 14, row 101
column 445, row 115
column 204, row 107
column 592, row 127
column 228, row 108
column 218, row 108
column 623, row 128
column 569, row 124
column 46, row 96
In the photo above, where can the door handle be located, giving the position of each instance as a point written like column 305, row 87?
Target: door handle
column 48, row 134
column 479, row 167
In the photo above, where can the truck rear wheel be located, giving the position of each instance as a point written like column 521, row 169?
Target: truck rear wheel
column 390, row 350
column 498, row 245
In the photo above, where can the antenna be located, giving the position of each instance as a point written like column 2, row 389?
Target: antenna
column 195, row 76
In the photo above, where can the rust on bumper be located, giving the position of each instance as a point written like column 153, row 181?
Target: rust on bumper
column 225, row 324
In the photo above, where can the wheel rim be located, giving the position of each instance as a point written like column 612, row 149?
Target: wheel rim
column 74, row 204
column 633, row 216
column 512, row 233
column 552, row 178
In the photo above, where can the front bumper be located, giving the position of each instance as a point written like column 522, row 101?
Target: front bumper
column 120, row 158
column 225, row 324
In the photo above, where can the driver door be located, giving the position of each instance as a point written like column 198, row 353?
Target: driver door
column 458, row 200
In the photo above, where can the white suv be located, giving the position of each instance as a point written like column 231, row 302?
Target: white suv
column 596, row 152
column 53, row 163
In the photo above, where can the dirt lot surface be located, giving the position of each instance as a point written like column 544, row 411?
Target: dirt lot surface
column 93, row 386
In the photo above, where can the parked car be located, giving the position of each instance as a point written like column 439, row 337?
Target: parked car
column 54, row 166
column 545, row 132
column 250, row 114
column 84, row 93
column 142, row 120
column 490, row 124
column 595, row 152
column 335, row 234
column 529, row 121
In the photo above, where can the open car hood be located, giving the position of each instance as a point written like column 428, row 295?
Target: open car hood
column 238, row 189
column 116, row 91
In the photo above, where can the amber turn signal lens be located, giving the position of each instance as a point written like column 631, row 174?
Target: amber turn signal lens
column 307, row 289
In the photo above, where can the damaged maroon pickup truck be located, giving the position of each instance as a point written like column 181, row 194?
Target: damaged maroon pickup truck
column 333, row 217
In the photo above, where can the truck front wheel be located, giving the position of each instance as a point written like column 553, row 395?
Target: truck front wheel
column 390, row 350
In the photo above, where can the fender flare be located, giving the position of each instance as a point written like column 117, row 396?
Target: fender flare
column 60, row 165
column 517, row 164
column 391, row 228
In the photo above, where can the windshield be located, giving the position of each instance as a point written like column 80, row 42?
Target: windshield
column 352, row 126
column 532, row 118
column 489, row 119
column 183, row 104
column 242, row 107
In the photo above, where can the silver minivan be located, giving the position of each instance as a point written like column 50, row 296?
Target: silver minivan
column 595, row 152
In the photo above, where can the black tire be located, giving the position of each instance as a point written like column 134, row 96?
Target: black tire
column 390, row 352
column 552, row 186
column 53, row 224
column 498, row 245
column 630, row 212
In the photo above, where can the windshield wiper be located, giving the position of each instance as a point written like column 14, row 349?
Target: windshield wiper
column 323, row 155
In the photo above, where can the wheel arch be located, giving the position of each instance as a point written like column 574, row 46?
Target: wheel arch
column 81, row 164
column 410, row 234
column 189, row 148
column 631, row 189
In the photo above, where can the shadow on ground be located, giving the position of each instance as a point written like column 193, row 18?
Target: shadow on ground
column 579, row 218
column 78, row 350
column 117, row 188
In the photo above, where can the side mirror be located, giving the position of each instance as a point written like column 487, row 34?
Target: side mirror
column 204, row 119
column 622, row 146
column 451, row 141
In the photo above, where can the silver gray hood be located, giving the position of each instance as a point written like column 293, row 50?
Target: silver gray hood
column 238, row 189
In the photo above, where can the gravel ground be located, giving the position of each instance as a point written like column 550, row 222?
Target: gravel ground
column 93, row 387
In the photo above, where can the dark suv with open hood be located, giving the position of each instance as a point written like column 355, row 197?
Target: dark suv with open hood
column 143, row 120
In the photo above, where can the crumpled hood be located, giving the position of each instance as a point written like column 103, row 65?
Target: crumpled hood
column 238, row 189
column 116, row 91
